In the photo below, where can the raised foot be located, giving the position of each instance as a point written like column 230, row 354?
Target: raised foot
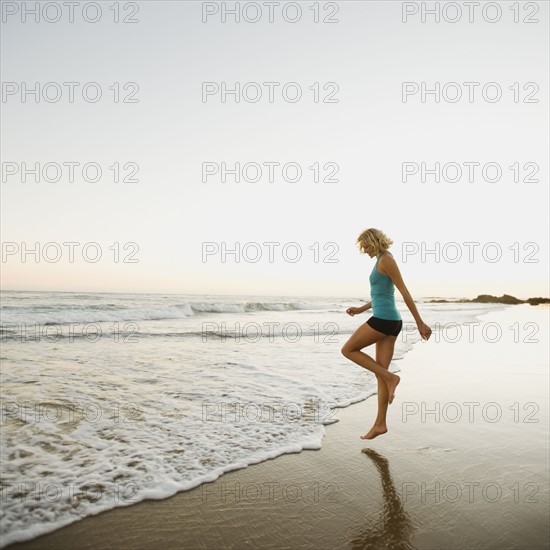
column 392, row 384
column 375, row 431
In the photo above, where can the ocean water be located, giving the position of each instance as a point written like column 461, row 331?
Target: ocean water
column 109, row 399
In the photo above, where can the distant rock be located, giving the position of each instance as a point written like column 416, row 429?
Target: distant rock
column 537, row 301
column 489, row 299
column 504, row 299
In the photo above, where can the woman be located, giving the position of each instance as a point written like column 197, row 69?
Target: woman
column 385, row 324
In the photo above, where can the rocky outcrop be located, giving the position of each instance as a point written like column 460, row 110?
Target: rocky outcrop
column 489, row 299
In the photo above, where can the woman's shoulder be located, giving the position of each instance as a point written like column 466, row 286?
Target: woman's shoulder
column 386, row 255
column 385, row 261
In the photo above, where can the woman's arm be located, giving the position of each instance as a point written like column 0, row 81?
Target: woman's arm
column 365, row 307
column 390, row 268
column 357, row 310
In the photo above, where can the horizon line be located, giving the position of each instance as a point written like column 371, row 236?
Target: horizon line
column 398, row 297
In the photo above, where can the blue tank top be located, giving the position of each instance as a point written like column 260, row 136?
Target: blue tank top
column 382, row 293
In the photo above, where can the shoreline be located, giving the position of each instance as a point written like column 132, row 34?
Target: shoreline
column 384, row 489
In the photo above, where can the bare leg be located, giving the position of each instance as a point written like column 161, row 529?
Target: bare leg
column 380, row 426
column 369, row 363
column 384, row 355
column 387, row 381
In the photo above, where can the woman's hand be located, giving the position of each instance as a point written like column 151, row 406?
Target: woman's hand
column 424, row 329
column 354, row 311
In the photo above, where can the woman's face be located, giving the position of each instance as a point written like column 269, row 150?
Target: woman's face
column 369, row 250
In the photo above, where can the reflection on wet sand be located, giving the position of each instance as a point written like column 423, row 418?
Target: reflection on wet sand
column 393, row 529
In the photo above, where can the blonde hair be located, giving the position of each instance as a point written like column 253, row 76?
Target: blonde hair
column 379, row 241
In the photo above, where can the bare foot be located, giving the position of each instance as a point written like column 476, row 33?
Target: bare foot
column 392, row 384
column 374, row 432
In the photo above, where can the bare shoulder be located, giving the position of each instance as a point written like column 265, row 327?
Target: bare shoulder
column 387, row 262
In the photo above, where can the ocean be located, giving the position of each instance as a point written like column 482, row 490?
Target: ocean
column 109, row 399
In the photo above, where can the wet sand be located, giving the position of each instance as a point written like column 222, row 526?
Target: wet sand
column 434, row 481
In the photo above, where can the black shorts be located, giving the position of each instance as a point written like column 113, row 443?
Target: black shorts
column 392, row 328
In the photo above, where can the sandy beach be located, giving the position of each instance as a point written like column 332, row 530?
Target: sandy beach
column 463, row 466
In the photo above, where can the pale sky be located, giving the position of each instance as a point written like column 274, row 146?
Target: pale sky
column 363, row 140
